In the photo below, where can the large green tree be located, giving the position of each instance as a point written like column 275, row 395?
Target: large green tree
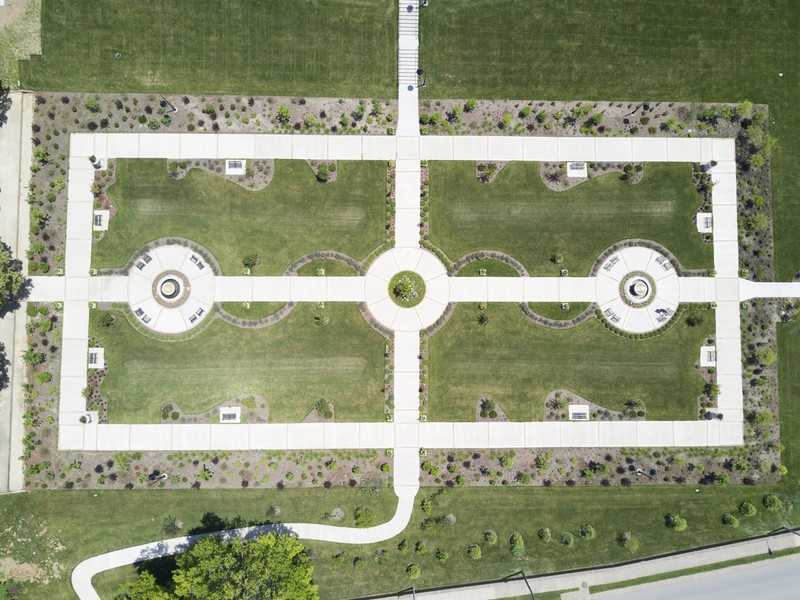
column 271, row 567
column 11, row 279
column 143, row 588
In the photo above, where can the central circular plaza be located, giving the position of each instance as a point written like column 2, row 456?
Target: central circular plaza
column 170, row 288
column 407, row 289
column 637, row 289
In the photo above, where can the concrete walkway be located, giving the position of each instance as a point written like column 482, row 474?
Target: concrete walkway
column 15, row 158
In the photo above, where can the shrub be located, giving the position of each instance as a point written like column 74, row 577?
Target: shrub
column 490, row 537
column 772, row 503
column 766, row 356
column 250, row 260
column 322, row 173
column 517, row 544
column 729, row 520
column 402, row 547
column 587, row 531
column 106, row 319
column 523, row 478
column 567, row 539
column 746, row 509
column 545, row 534
column 474, row 552
column 283, row 113
column 364, row 517
column 506, row 461
column 92, row 105
column 628, row 541
column 676, row 522
column 470, row 105
column 413, row 571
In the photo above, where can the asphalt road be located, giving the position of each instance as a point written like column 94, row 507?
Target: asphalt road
column 777, row 579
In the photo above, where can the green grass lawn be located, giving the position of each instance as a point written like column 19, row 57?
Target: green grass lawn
column 517, row 363
column 292, row 216
column 506, row 510
column 67, row 527
column 517, row 214
column 292, row 364
column 681, row 50
column 255, row 310
column 281, row 47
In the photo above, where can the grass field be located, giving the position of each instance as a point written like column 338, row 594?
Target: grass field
column 281, row 47
column 525, row 510
column 517, row 363
column 64, row 528
column 682, row 50
column 292, row 364
column 517, row 214
column 292, row 216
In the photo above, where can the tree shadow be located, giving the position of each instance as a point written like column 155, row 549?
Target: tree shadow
column 4, row 365
column 152, row 559
column 5, row 103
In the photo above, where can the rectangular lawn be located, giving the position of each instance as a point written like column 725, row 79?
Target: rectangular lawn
column 517, row 363
column 291, row 364
column 519, row 215
column 292, row 216
column 281, row 47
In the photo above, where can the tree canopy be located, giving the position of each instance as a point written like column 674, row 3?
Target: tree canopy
column 270, row 567
column 11, row 279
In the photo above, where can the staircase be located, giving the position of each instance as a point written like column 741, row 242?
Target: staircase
column 408, row 46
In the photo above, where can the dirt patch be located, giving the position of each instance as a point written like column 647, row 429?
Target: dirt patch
column 20, row 36
column 487, row 410
column 556, row 408
column 554, row 175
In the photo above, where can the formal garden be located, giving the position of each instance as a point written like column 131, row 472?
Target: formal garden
column 327, row 68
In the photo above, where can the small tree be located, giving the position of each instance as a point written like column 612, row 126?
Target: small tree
column 628, row 541
column 587, row 531
column 747, row 510
column 474, row 552
column 143, row 587
column 364, row 517
column 490, row 537
column 250, row 260
column 676, row 522
column 32, row 358
column 772, row 503
column 729, row 520
column 483, row 319
column 766, row 356
column 413, row 571
column 517, row 544
column 106, row 319
column 545, row 535
column 11, row 279
column 567, row 539
column 40, row 153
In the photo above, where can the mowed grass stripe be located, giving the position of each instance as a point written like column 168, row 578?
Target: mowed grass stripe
column 292, row 216
column 291, row 364
column 627, row 50
column 517, row 363
column 519, row 215
column 281, row 47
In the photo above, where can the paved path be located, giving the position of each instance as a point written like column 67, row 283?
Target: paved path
column 15, row 156
column 768, row 580
column 594, row 577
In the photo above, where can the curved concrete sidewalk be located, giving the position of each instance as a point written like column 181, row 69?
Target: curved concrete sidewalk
column 82, row 574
